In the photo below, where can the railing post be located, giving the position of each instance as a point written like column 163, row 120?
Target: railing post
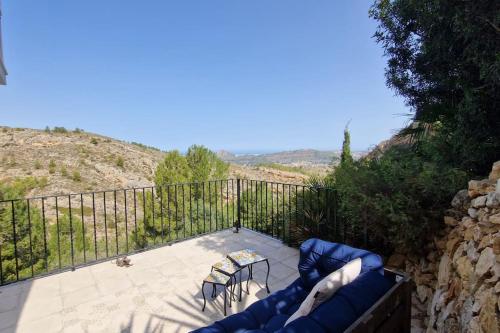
column 238, row 204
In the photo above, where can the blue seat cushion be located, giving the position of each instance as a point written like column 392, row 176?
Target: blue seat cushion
column 364, row 291
column 278, row 303
column 214, row 328
column 239, row 322
column 302, row 325
column 350, row 302
column 275, row 323
column 319, row 258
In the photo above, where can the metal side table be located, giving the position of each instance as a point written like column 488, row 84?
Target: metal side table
column 248, row 258
column 216, row 278
column 229, row 268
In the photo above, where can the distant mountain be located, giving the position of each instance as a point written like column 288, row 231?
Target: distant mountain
column 300, row 157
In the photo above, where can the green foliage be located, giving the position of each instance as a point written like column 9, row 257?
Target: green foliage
column 346, row 156
column 199, row 165
column 182, row 214
column 400, row 198
column 443, row 59
column 87, row 211
column 19, row 186
column 78, row 130
column 284, row 167
column 38, row 165
column 26, row 233
column 62, row 235
column 57, row 129
column 263, row 207
column 200, row 160
column 204, row 165
column 52, row 167
column 173, row 169
column 120, row 162
column 47, row 129
column 76, row 176
column 144, row 146
column 94, row 141
column 64, row 171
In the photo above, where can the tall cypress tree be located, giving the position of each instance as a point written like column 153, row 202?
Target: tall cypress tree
column 346, row 157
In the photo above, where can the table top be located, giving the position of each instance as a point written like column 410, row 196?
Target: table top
column 227, row 266
column 245, row 257
column 217, row 278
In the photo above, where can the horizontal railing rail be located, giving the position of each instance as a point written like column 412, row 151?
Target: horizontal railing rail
column 48, row 234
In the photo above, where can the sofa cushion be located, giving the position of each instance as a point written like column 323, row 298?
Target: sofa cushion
column 350, row 302
column 239, row 322
column 278, row 302
column 325, row 289
column 302, row 325
column 214, row 328
column 275, row 323
column 335, row 315
column 319, row 258
column 363, row 292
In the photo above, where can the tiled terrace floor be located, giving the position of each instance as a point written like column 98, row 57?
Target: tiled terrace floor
column 159, row 293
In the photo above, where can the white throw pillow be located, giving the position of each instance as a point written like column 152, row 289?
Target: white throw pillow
column 325, row 288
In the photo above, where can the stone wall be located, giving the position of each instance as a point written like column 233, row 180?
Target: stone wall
column 457, row 282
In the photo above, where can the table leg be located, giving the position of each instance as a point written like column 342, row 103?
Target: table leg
column 204, row 299
column 240, row 285
column 267, row 276
column 213, row 290
column 225, row 301
column 234, row 287
column 248, row 279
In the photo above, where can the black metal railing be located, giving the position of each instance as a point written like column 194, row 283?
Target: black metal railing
column 43, row 235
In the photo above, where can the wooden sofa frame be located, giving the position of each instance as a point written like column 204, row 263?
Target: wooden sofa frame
column 392, row 312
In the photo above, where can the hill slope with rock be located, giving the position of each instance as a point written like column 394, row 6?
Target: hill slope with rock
column 77, row 161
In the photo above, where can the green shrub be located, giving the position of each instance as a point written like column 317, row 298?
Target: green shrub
column 64, row 172
column 38, row 165
column 76, row 176
column 52, row 167
column 94, row 141
column 284, row 167
column 47, row 129
column 399, row 198
column 119, row 162
column 144, row 146
column 60, row 130
column 27, row 236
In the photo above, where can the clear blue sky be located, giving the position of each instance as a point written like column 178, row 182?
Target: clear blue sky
column 229, row 74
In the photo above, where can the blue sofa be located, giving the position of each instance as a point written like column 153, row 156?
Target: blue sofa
column 317, row 259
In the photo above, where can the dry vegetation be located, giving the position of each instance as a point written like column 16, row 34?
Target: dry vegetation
column 77, row 161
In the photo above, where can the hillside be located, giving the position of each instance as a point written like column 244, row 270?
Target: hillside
column 301, row 156
column 77, row 161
